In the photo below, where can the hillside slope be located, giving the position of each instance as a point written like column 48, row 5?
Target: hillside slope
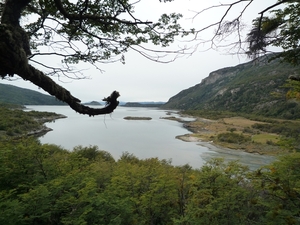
column 21, row 96
column 254, row 87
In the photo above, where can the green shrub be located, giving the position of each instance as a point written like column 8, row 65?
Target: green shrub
column 232, row 129
column 248, row 130
column 233, row 138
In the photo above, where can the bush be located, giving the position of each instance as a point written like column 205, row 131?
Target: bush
column 232, row 129
column 248, row 130
column 270, row 142
column 233, row 138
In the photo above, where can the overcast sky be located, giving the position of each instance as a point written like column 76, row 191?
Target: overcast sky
column 140, row 79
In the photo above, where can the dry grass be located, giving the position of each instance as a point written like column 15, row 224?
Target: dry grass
column 239, row 122
column 263, row 138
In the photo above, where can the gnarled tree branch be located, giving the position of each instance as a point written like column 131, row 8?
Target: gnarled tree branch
column 14, row 45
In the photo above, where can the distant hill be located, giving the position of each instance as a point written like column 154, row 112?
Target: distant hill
column 22, row 96
column 254, row 87
column 143, row 104
column 92, row 103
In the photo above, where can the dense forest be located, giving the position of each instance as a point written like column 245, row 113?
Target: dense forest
column 45, row 184
column 15, row 122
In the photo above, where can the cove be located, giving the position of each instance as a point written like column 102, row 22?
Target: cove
column 142, row 138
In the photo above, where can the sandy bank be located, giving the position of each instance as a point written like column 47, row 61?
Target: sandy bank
column 208, row 131
column 252, row 160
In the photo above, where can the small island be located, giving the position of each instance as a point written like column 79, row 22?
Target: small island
column 137, row 118
column 92, row 103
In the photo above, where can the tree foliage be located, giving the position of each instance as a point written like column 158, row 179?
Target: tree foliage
column 280, row 29
column 15, row 122
column 45, row 184
column 276, row 25
column 82, row 31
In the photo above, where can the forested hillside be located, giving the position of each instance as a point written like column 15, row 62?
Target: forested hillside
column 17, row 123
column 254, row 87
column 21, row 96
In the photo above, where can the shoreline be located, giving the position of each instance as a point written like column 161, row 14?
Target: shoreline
column 44, row 129
column 205, row 132
column 208, row 144
column 252, row 160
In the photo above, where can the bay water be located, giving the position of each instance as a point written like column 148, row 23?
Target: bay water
column 142, row 138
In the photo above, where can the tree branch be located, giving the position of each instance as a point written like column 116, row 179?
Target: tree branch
column 224, row 28
column 267, row 9
column 98, row 18
column 274, row 5
column 47, row 84
column 13, row 60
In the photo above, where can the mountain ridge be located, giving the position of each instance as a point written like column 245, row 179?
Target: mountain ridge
column 252, row 87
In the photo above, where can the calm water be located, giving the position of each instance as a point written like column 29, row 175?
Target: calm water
column 143, row 138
